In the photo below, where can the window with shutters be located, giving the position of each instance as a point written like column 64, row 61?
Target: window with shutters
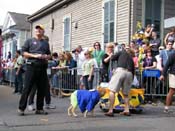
column 109, row 19
column 67, row 33
column 153, row 13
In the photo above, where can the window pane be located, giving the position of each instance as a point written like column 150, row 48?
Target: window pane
column 14, row 47
column 106, row 33
column 153, row 13
column 106, row 12
column 157, row 25
column 148, row 21
column 67, row 34
column 157, row 9
column 66, row 43
column 148, row 7
column 112, row 10
column 67, row 26
column 112, row 32
column 109, row 10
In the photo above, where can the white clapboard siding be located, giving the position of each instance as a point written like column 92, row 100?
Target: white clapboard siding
column 169, row 11
column 88, row 15
column 122, row 21
column 169, row 8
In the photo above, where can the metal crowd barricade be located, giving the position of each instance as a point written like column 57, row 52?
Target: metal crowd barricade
column 97, row 78
column 149, row 79
column 12, row 77
column 68, row 79
column 9, row 76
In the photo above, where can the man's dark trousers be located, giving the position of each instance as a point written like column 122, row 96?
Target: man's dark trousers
column 37, row 76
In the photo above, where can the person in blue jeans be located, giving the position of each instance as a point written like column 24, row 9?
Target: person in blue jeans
column 88, row 71
column 18, row 72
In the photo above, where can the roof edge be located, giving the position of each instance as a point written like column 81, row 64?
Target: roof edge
column 48, row 9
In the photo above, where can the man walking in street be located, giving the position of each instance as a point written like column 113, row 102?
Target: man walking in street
column 170, row 64
column 37, row 51
column 122, row 78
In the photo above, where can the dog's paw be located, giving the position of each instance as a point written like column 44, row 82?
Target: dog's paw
column 69, row 114
column 85, row 113
column 75, row 115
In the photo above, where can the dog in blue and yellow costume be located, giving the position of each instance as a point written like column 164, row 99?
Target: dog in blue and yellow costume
column 86, row 100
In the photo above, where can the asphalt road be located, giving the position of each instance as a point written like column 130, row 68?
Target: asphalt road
column 152, row 118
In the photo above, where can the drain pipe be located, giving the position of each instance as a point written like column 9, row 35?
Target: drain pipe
column 129, row 21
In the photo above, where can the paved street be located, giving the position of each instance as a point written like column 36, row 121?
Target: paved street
column 152, row 119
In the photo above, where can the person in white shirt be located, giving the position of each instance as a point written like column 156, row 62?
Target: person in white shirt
column 80, row 58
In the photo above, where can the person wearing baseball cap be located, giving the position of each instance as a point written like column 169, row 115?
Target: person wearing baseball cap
column 39, row 27
column 37, row 52
column 39, row 32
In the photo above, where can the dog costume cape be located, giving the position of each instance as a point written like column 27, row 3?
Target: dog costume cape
column 87, row 99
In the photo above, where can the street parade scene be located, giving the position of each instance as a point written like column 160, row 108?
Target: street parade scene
column 88, row 65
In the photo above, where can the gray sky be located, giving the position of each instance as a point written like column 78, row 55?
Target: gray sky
column 21, row 6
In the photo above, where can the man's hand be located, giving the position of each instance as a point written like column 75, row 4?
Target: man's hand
column 41, row 56
column 53, row 67
column 110, row 55
column 161, row 77
column 17, row 72
column 38, row 56
column 44, row 56
column 89, row 78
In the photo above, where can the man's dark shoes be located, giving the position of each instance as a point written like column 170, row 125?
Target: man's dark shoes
column 110, row 114
column 20, row 112
column 125, row 113
column 41, row 112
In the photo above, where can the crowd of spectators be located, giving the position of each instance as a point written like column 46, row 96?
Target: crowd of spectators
column 155, row 54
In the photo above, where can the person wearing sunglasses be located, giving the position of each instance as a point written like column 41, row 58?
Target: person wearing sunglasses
column 98, row 53
column 164, row 54
column 88, row 71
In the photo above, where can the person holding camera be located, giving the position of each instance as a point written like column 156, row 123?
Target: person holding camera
column 106, row 63
column 170, row 36
column 154, row 44
column 148, row 31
